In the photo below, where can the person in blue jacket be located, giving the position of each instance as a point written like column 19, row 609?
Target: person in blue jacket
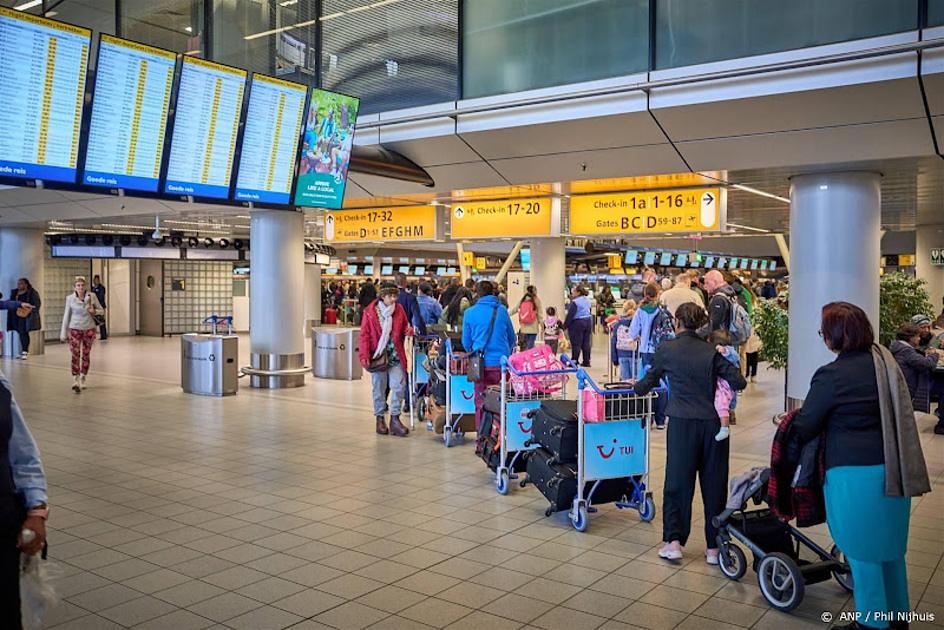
column 476, row 337
column 579, row 325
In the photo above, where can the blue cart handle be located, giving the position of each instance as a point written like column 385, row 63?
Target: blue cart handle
column 584, row 380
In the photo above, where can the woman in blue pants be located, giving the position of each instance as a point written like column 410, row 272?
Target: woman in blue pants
column 874, row 464
column 579, row 325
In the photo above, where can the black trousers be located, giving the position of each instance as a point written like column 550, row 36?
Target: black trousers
column 22, row 331
column 581, row 335
column 11, row 519
column 692, row 449
column 752, row 359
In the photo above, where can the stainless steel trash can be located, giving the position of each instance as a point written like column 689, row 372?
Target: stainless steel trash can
column 12, row 347
column 209, row 364
column 334, row 353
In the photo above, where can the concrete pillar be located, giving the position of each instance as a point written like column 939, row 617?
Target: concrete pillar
column 276, row 297
column 22, row 255
column 549, row 272
column 928, row 237
column 835, row 226
column 312, row 297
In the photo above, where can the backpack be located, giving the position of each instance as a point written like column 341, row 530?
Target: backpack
column 663, row 328
column 624, row 340
column 740, row 324
column 527, row 314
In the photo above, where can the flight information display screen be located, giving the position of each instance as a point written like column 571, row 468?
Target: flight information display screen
column 42, row 90
column 133, row 83
column 270, row 140
column 326, row 150
column 649, row 258
column 632, row 257
column 206, row 120
column 665, row 259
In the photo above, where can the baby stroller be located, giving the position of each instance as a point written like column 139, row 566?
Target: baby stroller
column 775, row 544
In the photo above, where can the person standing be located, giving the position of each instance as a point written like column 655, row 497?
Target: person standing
column 487, row 328
column 719, row 301
column 99, row 290
column 452, row 315
column 430, row 310
column 860, row 403
column 752, row 354
column 579, row 325
column 384, row 327
column 408, row 301
column 78, row 328
column 640, row 329
column 529, row 316
column 449, row 292
column 29, row 320
column 692, row 366
column 681, row 293
column 22, row 503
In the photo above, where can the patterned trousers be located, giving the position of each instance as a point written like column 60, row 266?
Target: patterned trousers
column 80, row 342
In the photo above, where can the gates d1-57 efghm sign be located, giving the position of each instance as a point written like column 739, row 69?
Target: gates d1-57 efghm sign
column 679, row 210
column 396, row 224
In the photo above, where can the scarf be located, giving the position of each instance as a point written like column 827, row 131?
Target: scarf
column 385, row 314
column 906, row 474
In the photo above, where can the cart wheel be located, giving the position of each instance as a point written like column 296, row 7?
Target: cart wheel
column 501, row 483
column 780, row 581
column 647, row 510
column 732, row 561
column 447, row 436
column 844, row 578
column 580, row 520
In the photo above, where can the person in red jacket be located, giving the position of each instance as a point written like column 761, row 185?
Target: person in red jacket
column 384, row 327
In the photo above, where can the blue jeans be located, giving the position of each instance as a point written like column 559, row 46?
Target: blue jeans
column 661, row 397
column 627, row 368
column 529, row 339
column 395, row 378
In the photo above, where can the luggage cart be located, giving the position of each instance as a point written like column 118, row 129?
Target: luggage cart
column 460, row 395
column 517, row 409
column 615, row 448
column 419, row 375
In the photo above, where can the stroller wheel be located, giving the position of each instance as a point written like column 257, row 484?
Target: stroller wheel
column 843, row 577
column 781, row 581
column 732, row 562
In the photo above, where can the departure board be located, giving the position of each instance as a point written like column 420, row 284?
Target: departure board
column 129, row 115
column 270, row 140
column 206, row 119
column 42, row 89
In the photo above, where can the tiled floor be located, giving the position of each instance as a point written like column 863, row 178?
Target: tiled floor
column 271, row 510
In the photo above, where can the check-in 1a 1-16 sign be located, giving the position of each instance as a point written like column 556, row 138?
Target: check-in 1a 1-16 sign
column 506, row 217
column 410, row 223
column 680, row 210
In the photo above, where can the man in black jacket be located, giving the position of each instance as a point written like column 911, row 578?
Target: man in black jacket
column 99, row 290
column 693, row 367
column 719, row 301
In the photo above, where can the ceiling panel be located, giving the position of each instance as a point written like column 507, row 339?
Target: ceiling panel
column 621, row 162
column 428, row 144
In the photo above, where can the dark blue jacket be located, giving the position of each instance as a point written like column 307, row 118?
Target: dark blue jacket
column 408, row 301
column 475, row 322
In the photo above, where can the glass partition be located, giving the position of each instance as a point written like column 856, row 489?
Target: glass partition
column 514, row 46
column 689, row 33
column 935, row 12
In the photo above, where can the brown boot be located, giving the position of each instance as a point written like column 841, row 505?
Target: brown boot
column 396, row 428
column 732, row 419
column 382, row 426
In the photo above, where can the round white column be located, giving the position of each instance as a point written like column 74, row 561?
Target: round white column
column 312, row 297
column 835, row 234
column 276, row 296
column 22, row 255
column 549, row 272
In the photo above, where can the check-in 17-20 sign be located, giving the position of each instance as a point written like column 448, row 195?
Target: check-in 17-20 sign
column 508, row 217
column 411, row 223
column 682, row 210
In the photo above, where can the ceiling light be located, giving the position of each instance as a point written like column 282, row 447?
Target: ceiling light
column 281, row 29
column 331, row 16
column 193, row 52
column 760, row 192
column 287, row 3
column 28, row 5
column 358, row 9
column 748, row 227
column 383, row 2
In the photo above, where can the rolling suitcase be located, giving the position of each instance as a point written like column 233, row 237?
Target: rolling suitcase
column 556, row 481
column 555, row 429
column 493, row 400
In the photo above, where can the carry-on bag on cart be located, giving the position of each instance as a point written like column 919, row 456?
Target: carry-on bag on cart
column 556, row 481
column 597, row 406
column 489, row 448
column 493, row 400
column 527, row 377
column 554, row 427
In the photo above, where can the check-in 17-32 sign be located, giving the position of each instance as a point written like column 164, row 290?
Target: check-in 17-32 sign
column 508, row 217
column 682, row 210
column 411, row 223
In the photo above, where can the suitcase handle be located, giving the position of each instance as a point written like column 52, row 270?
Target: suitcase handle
column 556, row 431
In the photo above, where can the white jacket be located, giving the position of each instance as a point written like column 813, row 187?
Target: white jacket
column 76, row 314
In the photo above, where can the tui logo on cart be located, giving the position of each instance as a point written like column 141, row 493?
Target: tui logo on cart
column 608, row 453
column 467, row 395
column 525, row 423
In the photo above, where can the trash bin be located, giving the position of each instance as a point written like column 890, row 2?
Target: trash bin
column 209, row 364
column 334, row 353
column 12, row 347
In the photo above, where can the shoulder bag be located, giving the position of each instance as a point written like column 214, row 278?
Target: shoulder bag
column 475, row 370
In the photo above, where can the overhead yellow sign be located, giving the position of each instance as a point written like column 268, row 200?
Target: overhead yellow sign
column 481, row 264
column 680, row 210
column 468, row 259
column 409, row 223
column 507, row 217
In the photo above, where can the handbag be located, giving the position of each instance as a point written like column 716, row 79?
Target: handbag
column 475, row 369
column 378, row 364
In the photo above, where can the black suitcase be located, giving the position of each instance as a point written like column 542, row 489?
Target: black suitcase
column 555, row 429
column 556, row 481
column 492, row 400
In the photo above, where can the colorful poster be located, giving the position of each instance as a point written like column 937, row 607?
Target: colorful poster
column 326, row 150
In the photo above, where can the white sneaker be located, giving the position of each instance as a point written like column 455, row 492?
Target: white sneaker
column 75, row 384
column 24, row 355
column 82, row 381
column 671, row 551
column 711, row 557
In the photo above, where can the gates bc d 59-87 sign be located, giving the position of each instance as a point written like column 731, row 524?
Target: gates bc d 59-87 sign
column 682, row 210
column 412, row 223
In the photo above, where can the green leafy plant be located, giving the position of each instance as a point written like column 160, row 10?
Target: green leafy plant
column 901, row 298
column 772, row 323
